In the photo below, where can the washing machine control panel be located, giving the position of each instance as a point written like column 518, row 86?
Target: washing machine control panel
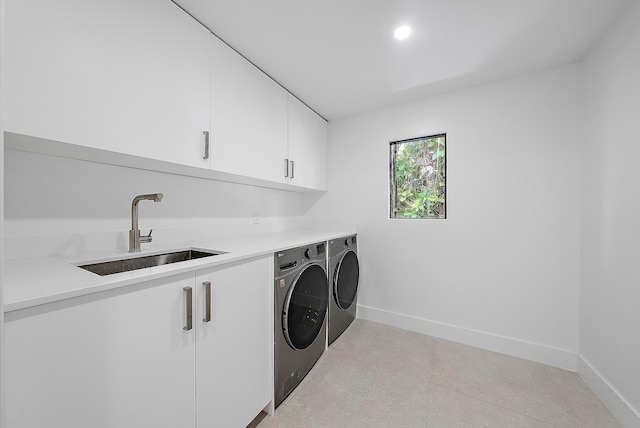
column 289, row 260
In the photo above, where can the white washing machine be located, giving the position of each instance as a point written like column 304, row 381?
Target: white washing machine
column 344, row 275
column 301, row 301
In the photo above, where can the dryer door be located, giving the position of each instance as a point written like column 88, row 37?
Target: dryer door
column 305, row 307
column 345, row 280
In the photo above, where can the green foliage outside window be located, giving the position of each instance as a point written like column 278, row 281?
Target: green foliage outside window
column 418, row 178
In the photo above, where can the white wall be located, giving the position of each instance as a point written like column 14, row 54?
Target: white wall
column 502, row 271
column 1, row 222
column 610, row 279
column 61, row 206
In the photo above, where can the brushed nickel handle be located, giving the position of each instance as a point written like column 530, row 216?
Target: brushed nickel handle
column 206, row 145
column 286, row 167
column 291, row 170
column 188, row 297
column 207, row 301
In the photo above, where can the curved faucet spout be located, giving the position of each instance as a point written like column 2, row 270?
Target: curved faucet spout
column 155, row 197
column 134, row 234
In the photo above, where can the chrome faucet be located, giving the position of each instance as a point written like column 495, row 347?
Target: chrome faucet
column 134, row 234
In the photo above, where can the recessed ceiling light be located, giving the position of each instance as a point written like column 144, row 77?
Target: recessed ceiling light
column 402, row 32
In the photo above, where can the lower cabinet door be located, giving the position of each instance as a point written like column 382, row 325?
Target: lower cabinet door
column 115, row 359
column 234, row 379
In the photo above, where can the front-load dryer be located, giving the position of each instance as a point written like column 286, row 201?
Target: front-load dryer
column 344, row 275
column 301, row 301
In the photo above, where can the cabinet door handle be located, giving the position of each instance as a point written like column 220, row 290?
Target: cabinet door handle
column 206, row 145
column 207, row 301
column 291, row 170
column 188, row 297
column 286, row 167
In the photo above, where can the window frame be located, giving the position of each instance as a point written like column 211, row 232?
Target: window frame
column 392, row 190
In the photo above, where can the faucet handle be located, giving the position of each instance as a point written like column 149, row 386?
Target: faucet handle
column 146, row 238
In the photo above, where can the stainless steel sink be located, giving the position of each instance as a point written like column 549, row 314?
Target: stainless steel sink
column 135, row 263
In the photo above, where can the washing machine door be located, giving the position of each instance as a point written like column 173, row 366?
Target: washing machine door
column 345, row 280
column 305, row 307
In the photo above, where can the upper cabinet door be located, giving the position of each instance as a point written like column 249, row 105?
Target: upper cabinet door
column 248, row 117
column 130, row 76
column 307, row 146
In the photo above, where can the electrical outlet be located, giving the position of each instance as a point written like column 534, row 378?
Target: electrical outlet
column 256, row 217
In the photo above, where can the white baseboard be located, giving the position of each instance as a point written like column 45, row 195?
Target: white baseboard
column 506, row 345
column 619, row 406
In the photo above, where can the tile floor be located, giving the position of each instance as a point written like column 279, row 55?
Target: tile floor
column 380, row 376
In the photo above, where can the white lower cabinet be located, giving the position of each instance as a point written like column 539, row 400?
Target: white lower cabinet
column 234, row 350
column 125, row 358
column 121, row 360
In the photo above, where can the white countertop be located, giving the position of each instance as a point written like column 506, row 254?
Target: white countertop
column 36, row 281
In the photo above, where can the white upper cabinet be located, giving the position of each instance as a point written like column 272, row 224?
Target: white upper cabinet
column 130, row 76
column 248, row 117
column 143, row 78
column 307, row 147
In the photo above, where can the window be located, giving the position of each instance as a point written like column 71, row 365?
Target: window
column 418, row 178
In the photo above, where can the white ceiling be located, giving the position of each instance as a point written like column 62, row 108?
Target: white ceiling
column 340, row 58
